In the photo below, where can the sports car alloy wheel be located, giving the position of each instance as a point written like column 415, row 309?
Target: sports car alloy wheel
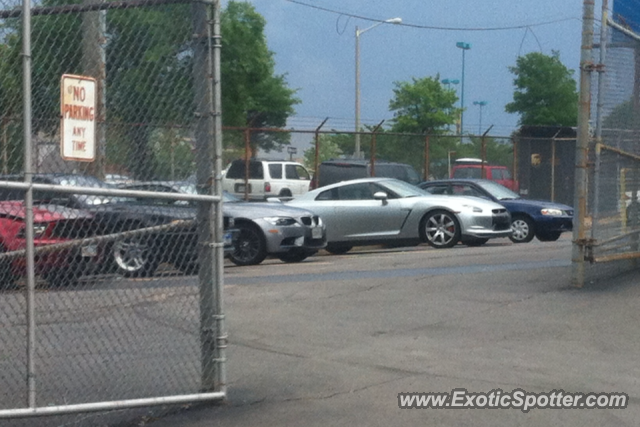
column 523, row 231
column 441, row 229
column 134, row 258
column 250, row 246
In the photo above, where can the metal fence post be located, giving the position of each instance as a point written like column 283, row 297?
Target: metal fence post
column 426, row 158
column 582, row 147
column 208, row 160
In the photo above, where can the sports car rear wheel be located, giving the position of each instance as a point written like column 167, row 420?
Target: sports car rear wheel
column 250, row 246
column 441, row 229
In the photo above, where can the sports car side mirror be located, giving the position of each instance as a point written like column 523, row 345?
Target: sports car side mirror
column 381, row 195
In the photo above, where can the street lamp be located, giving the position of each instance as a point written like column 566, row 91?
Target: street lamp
column 358, row 33
column 464, row 46
column 449, row 82
column 480, row 104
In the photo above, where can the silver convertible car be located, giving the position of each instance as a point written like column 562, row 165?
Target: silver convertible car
column 374, row 211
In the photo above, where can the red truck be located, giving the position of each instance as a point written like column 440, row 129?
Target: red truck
column 469, row 168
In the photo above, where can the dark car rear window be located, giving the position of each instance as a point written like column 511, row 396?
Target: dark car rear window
column 330, row 173
column 237, row 168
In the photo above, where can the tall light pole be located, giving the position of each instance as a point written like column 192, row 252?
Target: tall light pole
column 358, row 33
column 464, row 46
column 449, row 82
column 480, row 104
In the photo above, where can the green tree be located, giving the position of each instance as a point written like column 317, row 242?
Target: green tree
column 421, row 107
column 329, row 148
column 149, row 63
column 545, row 92
column 251, row 91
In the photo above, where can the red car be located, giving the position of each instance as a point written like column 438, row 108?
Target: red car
column 51, row 225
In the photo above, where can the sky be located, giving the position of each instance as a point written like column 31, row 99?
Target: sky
column 315, row 48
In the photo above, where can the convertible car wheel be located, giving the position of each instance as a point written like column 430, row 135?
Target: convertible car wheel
column 441, row 229
column 251, row 248
column 338, row 249
column 134, row 257
column 523, row 230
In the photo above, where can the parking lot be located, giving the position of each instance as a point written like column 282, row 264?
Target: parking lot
column 333, row 340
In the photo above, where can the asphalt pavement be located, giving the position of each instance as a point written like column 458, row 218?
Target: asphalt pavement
column 333, row 340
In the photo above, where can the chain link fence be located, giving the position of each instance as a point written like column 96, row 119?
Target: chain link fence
column 608, row 233
column 110, row 269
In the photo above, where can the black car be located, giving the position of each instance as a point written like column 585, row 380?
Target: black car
column 332, row 171
column 139, row 253
column 542, row 219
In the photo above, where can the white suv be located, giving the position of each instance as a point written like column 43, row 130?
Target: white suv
column 267, row 178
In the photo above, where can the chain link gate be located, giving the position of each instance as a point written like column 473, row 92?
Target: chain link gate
column 111, row 270
column 606, row 223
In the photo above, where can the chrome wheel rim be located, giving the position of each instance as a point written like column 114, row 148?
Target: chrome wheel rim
column 440, row 229
column 130, row 255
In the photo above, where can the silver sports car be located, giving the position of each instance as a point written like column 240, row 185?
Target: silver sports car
column 388, row 211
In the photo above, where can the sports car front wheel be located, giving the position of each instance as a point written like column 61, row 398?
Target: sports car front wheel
column 250, row 246
column 441, row 229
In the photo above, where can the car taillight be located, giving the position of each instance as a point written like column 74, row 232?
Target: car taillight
column 267, row 187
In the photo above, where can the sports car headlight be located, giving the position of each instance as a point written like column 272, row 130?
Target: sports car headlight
column 473, row 208
column 551, row 212
column 280, row 220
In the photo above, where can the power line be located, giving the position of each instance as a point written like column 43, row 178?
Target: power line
column 429, row 27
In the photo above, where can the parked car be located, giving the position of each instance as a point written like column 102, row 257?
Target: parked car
column 51, row 225
column 529, row 218
column 470, row 168
column 267, row 178
column 373, row 211
column 264, row 229
column 332, row 171
column 133, row 256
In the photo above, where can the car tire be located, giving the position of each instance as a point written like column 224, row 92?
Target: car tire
column 474, row 241
column 441, row 229
column 250, row 246
column 7, row 276
column 295, row 256
column 523, row 229
column 133, row 257
column 550, row 236
column 285, row 193
column 338, row 249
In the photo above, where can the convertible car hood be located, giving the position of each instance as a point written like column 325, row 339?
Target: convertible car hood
column 260, row 210
column 535, row 204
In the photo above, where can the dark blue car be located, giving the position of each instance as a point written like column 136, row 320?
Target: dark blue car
column 529, row 218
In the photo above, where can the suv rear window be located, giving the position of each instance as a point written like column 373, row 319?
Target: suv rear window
column 236, row 170
column 467, row 173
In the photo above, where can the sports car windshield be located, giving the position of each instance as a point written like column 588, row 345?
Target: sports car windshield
column 404, row 189
column 498, row 191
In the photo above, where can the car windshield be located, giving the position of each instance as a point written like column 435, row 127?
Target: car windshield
column 403, row 189
column 498, row 191
column 89, row 181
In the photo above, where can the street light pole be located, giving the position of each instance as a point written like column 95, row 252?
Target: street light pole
column 464, row 46
column 448, row 83
column 480, row 104
column 359, row 32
